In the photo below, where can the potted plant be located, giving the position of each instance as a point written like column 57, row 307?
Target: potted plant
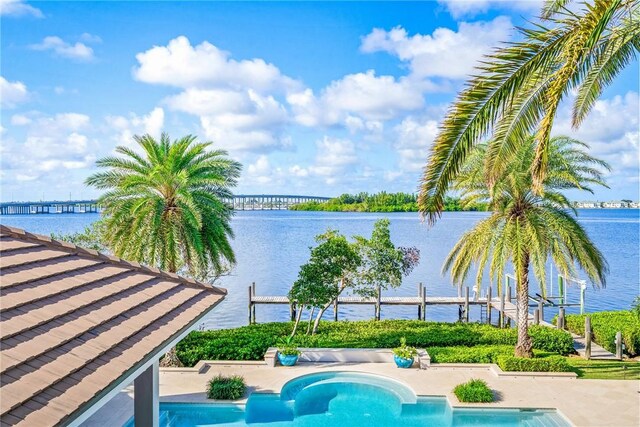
column 404, row 355
column 288, row 353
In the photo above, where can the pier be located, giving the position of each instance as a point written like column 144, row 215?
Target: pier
column 240, row 202
column 51, row 207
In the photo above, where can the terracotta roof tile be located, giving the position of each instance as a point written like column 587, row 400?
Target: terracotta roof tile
column 74, row 322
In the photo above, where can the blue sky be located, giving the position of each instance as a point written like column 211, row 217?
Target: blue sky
column 312, row 98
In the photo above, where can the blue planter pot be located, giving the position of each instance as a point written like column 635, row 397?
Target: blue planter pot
column 287, row 360
column 401, row 362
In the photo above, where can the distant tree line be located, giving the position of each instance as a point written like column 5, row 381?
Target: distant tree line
column 380, row 202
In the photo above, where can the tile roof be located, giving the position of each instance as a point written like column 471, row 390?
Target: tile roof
column 75, row 323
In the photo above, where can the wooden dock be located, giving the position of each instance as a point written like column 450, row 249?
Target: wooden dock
column 507, row 311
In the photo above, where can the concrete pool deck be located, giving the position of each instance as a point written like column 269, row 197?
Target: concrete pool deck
column 583, row 402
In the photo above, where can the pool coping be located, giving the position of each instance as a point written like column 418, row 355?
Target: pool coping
column 203, row 365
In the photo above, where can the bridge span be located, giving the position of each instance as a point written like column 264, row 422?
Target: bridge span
column 240, row 202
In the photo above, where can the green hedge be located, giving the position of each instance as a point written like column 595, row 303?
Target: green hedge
column 251, row 342
column 545, row 364
column 226, row 388
column 474, row 391
column 605, row 325
column 477, row 354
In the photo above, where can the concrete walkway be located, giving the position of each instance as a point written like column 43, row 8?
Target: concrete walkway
column 583, row 402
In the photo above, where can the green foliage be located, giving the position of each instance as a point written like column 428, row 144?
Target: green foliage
column 605, row 369
column 251, row 342
column 165, row 207
column 286, row 347
column 330, row 268
column 473, row 391
column 517, row 89
column 363, row 266
column 404, row 351
column 522, row 364
column 605, row 325
column 226, row 388
column 378, row 202
column 91, row 238
column 526, row 227
column 550, row 339
column 476, row 354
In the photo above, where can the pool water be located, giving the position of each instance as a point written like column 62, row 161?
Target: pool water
column 347, row 399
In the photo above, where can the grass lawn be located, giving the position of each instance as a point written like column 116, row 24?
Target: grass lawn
column 605, row 369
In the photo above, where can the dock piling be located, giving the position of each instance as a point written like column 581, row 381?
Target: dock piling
column 536, row 316
column 250, row 303
column 253, row 306
column 335, row 310
column 587, row 337
column 560, row 324
column 501, row 313
column 489, row 305
column 619, row 345
column 466, row 304
column 423, row 302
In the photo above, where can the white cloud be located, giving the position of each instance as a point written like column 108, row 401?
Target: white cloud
column 52, row 146
column 20, row 120
column 182, row 65
column 234, row 119
column 469, row 8
column 77, row 51
column 444, row 53
column 356, row 99
column 414, row 139
column 611, row 130
column 18, row 8
column 333, row 158
column 12, row 93
column 126, row 127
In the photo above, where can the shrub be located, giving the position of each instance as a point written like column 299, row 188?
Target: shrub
column 550, row 339
column 405, row 351
column 544, row 364
column 606, row 324
column 251, row 342
column 226, row 388
column 478, row 354
column 474, row 391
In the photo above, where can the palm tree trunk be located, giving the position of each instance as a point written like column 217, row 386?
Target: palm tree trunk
column 524, row 345
column 170, row 359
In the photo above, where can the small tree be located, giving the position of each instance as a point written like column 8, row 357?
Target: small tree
column 364, row 266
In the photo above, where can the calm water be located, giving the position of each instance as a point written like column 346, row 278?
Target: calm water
column 271, row 245
column 347, row 398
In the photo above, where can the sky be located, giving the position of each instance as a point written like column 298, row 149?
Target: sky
column 313, row 98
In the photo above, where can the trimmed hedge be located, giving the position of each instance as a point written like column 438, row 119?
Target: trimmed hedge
column 251, row 342
column 473, row 391
column 226, row 388
column 605, row 325
column 545, row 364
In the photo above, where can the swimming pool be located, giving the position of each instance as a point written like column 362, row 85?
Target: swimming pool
column 347, row 399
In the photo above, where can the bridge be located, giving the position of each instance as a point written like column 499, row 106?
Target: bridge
column 241, row 202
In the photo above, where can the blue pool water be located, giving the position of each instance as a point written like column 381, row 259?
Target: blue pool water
column 350, row 400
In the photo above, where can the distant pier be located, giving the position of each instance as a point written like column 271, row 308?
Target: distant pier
column 52, row 207
column 240, row 202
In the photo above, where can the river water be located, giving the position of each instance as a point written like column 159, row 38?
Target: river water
column 270, row 246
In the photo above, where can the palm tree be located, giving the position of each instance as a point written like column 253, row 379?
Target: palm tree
column 519, row 87
column 165, row 206
column 526, row 227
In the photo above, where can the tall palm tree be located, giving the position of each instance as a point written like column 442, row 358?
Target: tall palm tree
column 526, row 227
column 165, row 206
column 519, row 87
